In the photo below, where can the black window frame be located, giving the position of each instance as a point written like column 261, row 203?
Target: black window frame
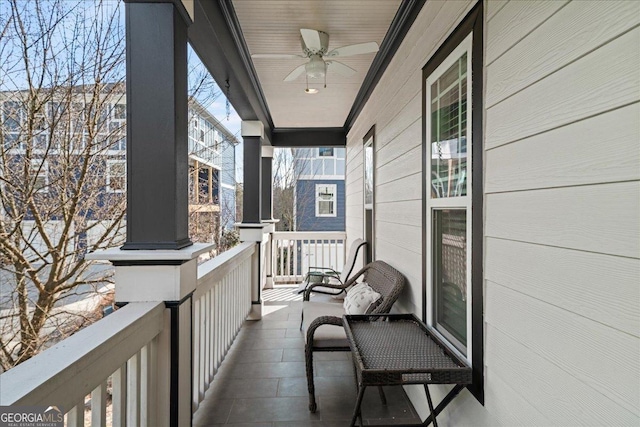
column 472, row 23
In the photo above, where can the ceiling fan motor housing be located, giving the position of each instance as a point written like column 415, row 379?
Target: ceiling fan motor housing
column 324, row 43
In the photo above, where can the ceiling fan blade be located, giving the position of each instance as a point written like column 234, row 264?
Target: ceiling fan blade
column 354, row 49
column 276, row 56
column 311, row 39
column 297, row 72
column 340, row 68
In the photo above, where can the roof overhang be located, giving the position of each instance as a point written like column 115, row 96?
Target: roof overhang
column 216, row 35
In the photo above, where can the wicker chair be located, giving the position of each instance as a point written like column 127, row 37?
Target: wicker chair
column 323, row 324
column 317, row 275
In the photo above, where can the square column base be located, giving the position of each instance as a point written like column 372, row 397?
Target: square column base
column 259, row 233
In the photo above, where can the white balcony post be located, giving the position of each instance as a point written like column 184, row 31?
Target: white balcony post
column 267, row 209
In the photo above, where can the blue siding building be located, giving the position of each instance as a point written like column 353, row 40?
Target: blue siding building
column 320, row 189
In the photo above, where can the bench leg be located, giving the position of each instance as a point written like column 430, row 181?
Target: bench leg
column 383, row 398
column 308, row 357
column 430, row 402
column 356, row 410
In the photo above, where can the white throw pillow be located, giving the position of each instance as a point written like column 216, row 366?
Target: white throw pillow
column 360, row 298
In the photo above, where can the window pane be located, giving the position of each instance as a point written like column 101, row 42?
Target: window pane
column 329, row 167
column 119, row 111
column 448, row 98
column 12, row 116
column 117, row 176
column 325, row 199
column 368, row 175
column 325, row 207
column 325, row 152
column 450, row 272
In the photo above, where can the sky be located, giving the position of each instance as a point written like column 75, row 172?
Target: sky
column 219, row 110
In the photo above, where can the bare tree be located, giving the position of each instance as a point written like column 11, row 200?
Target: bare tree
column 62, row 169
column 288, row 204
column 209, row 211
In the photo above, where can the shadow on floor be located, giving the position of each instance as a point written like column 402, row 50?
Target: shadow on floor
column 262, row 380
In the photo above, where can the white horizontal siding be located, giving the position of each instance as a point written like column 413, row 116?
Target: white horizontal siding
column 607, row 151
column 602, row 288
column 562, row 170
column 574, row 31
column 400, row 212
column 605, row 79
column 514, row 22
column 595, row 218
column 604, row 358
column 559, row 397
column 506, row 405
column 562, row 202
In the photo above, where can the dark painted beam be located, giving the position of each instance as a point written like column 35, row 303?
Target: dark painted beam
column 216, row 37
column 252, row 191
column 404, row 19
column 309, row 137
column 267, row 188
column 157, row 162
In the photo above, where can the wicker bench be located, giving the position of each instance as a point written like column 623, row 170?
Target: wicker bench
column 322, row 320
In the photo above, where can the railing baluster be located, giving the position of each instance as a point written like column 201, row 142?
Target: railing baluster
column 201, row 380
column 281, row 271
column 75, row 417
column 295, row 260
column 234, row 304
column 225, row 312
column 133, row 390
column 207, row 312
column 196, row 353
column 119, row 396
column 148, row 366
column 99, row 405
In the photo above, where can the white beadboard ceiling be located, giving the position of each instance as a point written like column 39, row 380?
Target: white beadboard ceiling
column 274, row 27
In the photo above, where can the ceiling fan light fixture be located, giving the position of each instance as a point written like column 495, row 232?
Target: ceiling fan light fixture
column 316, row 68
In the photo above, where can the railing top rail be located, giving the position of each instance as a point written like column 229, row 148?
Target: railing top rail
column 240, row 252
column 309, row 235
column 65, row 373
column 216, row 268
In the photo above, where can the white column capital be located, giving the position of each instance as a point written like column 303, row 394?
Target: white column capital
column 267, row 151
column 252, row 128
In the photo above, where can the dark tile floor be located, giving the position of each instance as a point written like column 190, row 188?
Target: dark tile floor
column 262, row 380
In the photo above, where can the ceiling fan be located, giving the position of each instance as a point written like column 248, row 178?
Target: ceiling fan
column 315, row 46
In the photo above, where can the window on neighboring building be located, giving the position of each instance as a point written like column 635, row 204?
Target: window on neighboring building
column 325, row 152
column 116, row 176
column 39, row 170
column 452, row 194
column 326, row 199
column 13, row 116
column 119, row 111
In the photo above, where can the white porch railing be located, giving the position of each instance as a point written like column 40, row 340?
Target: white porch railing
column 221, row 303
column 119, row 349
column 129, row 353
column 294, row 252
